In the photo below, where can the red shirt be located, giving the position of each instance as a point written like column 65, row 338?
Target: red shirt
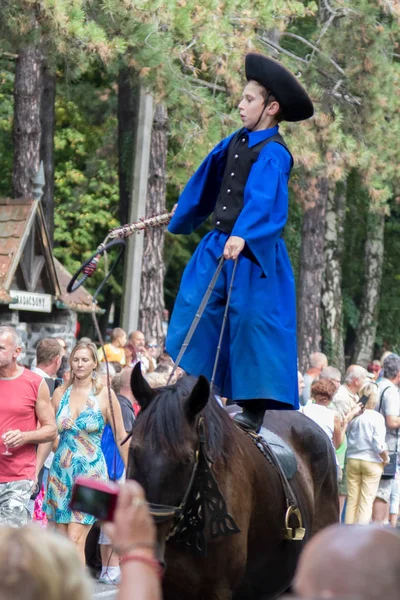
column 17, row 411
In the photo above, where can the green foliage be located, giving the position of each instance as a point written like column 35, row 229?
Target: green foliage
column 86, row 177
column 389, row 306
column 292, row 234
column 6, row 118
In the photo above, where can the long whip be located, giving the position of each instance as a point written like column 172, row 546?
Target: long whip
column 88, row 268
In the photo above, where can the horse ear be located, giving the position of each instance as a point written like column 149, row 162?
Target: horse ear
column 198, row 398
column 143, row 393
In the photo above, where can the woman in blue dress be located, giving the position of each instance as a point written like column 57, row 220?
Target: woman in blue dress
column 82, row 410
column 244, row 183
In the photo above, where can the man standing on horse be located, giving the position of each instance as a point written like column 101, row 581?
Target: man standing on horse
column 244, row 183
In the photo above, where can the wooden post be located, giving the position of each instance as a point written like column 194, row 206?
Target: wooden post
column 133, row 259
column 153, row 267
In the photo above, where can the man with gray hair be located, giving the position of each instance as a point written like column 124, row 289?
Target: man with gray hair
column 389, row 407
column 26, row 419
column 346, row 397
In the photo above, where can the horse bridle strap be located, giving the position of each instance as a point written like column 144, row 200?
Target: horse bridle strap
column 163, row 512
column 204, row 516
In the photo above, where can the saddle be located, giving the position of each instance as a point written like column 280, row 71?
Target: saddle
column 282, row 451
column 273, row 447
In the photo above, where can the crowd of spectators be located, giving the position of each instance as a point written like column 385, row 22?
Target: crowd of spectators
column 361, row 416
column 56, row 423
column 63, row 416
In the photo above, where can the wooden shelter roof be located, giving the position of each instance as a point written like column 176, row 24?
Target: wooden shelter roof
column 26, row 258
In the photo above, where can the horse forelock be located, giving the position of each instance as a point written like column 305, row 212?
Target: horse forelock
column 163, row 424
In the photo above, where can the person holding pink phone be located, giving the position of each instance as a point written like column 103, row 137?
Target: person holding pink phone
column 45, row 565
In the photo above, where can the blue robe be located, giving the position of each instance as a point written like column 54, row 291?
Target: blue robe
column 259, row 351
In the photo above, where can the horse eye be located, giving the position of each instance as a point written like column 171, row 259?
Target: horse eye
column 189, row 460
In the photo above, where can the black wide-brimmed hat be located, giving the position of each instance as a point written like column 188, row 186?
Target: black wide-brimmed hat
column 296, row 104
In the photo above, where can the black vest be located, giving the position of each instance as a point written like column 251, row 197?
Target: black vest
column 239, row 161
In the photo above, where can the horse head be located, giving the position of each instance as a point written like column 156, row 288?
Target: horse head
column 165, row 439
column 179, row 438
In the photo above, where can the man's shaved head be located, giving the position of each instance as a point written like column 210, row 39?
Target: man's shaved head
column 350, row 561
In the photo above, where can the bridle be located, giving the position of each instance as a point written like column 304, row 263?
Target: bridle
column 163, row 512
column 202, row 515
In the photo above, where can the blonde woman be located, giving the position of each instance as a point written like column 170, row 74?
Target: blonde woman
column 36, row 564
column 366, row 456
column 82, row 410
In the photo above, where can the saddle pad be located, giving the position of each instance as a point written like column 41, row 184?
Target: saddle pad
column 282, row 451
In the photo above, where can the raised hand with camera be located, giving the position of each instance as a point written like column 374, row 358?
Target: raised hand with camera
column 133, row 535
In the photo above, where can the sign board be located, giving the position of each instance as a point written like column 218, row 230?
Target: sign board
column 31, row 301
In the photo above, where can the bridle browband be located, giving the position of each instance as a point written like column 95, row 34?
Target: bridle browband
column 164, row 512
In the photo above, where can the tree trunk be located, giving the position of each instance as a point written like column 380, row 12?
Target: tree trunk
column 374, row 251
column 126, row 127
column 153, row 269
column 332, row 304
column 312, row 263
column 48, row 120
column 26, row 128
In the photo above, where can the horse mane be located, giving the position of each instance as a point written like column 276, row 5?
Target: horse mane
column 162, row 424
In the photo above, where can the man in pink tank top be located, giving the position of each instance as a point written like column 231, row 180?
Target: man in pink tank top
column 26, row 419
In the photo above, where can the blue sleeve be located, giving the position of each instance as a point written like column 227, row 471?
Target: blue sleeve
column 198, row 199
column 266, row 203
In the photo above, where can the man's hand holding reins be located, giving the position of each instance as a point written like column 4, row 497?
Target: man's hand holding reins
column 233, row 247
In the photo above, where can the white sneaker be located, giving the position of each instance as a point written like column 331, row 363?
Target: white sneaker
column 107, row 580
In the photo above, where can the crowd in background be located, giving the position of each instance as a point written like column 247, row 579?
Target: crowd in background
column 361, row 416
column 53, row 432
column 59, row 420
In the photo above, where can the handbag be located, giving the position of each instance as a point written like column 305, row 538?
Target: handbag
column 115, row 465
column 389, row 471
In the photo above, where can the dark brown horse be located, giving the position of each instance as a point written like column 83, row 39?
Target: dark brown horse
column 257, row 563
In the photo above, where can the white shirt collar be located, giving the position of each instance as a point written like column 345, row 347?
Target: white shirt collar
column 41, row 373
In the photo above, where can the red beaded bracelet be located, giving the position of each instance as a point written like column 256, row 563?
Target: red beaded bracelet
column 151, row 562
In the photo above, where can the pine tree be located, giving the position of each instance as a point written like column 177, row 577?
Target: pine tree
column 352, row 74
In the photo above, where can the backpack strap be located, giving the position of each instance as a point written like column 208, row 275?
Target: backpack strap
column 380, row 403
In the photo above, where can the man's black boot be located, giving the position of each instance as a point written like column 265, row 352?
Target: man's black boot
column 252, row 415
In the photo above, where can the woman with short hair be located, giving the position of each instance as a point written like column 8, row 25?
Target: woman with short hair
column 366, row 456
column 322, row 392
